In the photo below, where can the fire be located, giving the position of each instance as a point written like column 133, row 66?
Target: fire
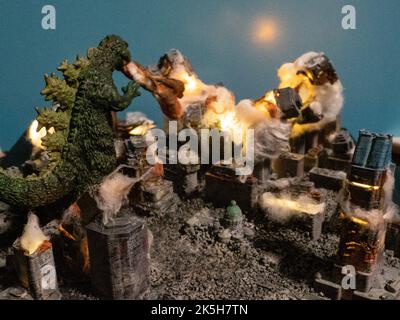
column 230, row 124
column 36, row 136
column 142, row 129
column 267, row 104
column 192, row 84
column 290, row 77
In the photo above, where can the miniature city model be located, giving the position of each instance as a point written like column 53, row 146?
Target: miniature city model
column 90, row 209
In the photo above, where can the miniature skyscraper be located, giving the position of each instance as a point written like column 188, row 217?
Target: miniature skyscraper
column 362, row 236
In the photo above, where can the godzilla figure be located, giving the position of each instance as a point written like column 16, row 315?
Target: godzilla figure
column 82, row 146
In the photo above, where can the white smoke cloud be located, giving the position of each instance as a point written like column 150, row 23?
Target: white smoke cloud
column 281, row 207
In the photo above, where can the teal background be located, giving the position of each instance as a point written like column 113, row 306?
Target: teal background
column 215, row 36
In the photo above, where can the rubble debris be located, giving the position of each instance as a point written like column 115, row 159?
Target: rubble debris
column 153, row 198
column 15, row 293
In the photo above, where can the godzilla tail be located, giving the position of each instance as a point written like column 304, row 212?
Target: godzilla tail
column 35, row 191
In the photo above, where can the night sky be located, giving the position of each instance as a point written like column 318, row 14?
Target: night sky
column 218, row 37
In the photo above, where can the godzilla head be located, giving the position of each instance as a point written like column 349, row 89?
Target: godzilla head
column 117, row 50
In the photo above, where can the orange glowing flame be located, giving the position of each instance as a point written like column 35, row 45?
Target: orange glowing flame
column 65, row 233
column 290, row 77
column 267, row 105
column 230, row 124
column 192, row 84
column 84, row 248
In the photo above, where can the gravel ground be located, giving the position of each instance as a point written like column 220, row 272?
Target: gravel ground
column 279, row 263
column 188, row 262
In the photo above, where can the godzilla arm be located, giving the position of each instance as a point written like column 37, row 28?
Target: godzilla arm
column 111, row 98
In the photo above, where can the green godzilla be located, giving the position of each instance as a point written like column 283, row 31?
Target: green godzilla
column 81, row 149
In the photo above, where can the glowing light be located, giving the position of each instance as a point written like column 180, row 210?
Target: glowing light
column 36, row 136
column 364, row 186
column 264, row 31
column 230, row 124
column 141, row 130
column 290, row 78
column 292, row 205
column 359, row 221
column 267, row 103
column 190, row 83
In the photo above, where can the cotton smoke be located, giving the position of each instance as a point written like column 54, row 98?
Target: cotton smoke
column 391, row 209
column 281, row 207
column 32, row 237
column 113, row 192
column 326, row 100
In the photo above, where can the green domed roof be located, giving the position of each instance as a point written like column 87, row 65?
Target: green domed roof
column 233, row 211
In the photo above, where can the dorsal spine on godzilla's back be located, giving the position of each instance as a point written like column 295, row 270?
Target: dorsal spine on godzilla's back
column 82, row 147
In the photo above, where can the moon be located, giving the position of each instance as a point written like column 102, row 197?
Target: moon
column 264, row 31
